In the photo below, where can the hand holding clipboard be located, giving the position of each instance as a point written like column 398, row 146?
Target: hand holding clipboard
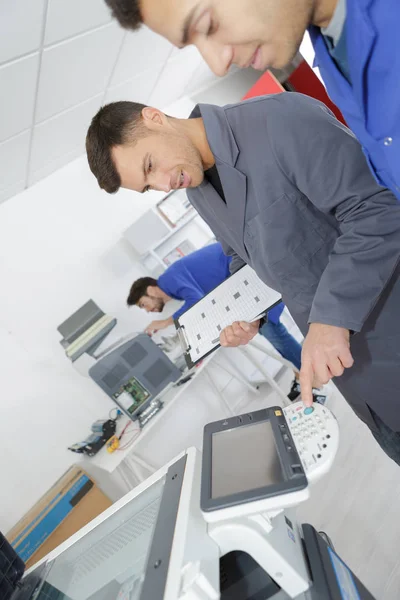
column 243, row 297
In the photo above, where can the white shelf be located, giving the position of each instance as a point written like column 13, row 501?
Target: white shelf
column 192, row 229
column 173, row 231
column 153, row 238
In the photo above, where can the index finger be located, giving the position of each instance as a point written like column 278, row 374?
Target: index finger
column 346, row 358
column 306, row 382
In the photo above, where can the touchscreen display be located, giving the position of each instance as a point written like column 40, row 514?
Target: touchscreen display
column 244, row 459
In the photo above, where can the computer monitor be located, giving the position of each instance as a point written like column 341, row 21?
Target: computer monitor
column 155, row 544
column 136, row 548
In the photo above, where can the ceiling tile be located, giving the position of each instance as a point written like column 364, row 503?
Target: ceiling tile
column 68, row 18
column 202, row 77
column 175, row 77
column 142, row 50
column 11, row 191
column 13, row 160
column 52, row 166
column 135, row 90
column 81, row 67
column 180, row 109
column 62, row 135
column 18, row 85
column 21, row 24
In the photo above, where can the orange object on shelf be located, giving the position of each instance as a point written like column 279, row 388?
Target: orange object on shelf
column 267, row 84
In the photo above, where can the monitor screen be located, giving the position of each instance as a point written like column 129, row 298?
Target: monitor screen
column 244, row 459
column 109, row 561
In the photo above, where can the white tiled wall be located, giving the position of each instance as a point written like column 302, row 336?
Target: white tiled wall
column 94, row 55
column 59, row 57
column 18, row 80
column 21, row 25
column 66, row 19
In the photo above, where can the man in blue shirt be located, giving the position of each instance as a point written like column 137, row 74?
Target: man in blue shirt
column 356, row 49
column 191, row 278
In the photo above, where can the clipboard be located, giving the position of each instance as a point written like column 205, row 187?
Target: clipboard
column 241, row 297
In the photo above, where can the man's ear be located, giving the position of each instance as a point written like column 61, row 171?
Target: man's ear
column 153, row 118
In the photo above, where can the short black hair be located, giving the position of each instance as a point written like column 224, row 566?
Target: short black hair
column 139, row 289
column 127, row 13
column 114, row 124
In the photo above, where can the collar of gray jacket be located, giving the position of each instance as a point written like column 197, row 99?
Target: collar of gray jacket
column 219, row 133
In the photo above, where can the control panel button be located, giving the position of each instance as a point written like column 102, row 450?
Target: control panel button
column 309, row 410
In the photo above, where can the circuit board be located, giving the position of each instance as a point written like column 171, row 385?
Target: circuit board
column 131, row 395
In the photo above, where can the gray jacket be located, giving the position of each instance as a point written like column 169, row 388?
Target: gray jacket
column 303, row 209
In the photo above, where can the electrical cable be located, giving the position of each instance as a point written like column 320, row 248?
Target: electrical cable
column 127, row 444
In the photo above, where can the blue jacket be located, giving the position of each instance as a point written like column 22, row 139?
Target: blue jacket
column 196, row 274
column 275, row 313
column 193, row 276
column 371, row 105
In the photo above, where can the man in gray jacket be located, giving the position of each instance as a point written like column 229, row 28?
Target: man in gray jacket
column 285, row 187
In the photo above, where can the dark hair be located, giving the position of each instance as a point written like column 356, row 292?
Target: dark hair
column 139, row 289
column 114, row 125
column 127, row 12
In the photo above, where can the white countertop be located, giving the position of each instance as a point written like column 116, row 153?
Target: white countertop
column 110, row 461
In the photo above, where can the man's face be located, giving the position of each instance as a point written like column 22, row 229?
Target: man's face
column 163, row 160
column 257, row 33
column 151, row 304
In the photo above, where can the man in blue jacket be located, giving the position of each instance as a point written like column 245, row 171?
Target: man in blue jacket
column 191, row 278
column 356, row 44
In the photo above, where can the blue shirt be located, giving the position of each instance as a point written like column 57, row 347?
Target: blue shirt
column 371, row 103
column 195, row 275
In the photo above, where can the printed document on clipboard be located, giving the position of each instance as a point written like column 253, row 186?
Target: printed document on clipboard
column 241, row 297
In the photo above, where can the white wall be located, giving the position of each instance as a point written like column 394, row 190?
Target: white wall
column 60, row 244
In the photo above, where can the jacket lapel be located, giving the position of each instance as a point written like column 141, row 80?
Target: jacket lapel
column 228, row 217
column 351, row 99
column 361, row 38
column 229, row 214
column 338, row 88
